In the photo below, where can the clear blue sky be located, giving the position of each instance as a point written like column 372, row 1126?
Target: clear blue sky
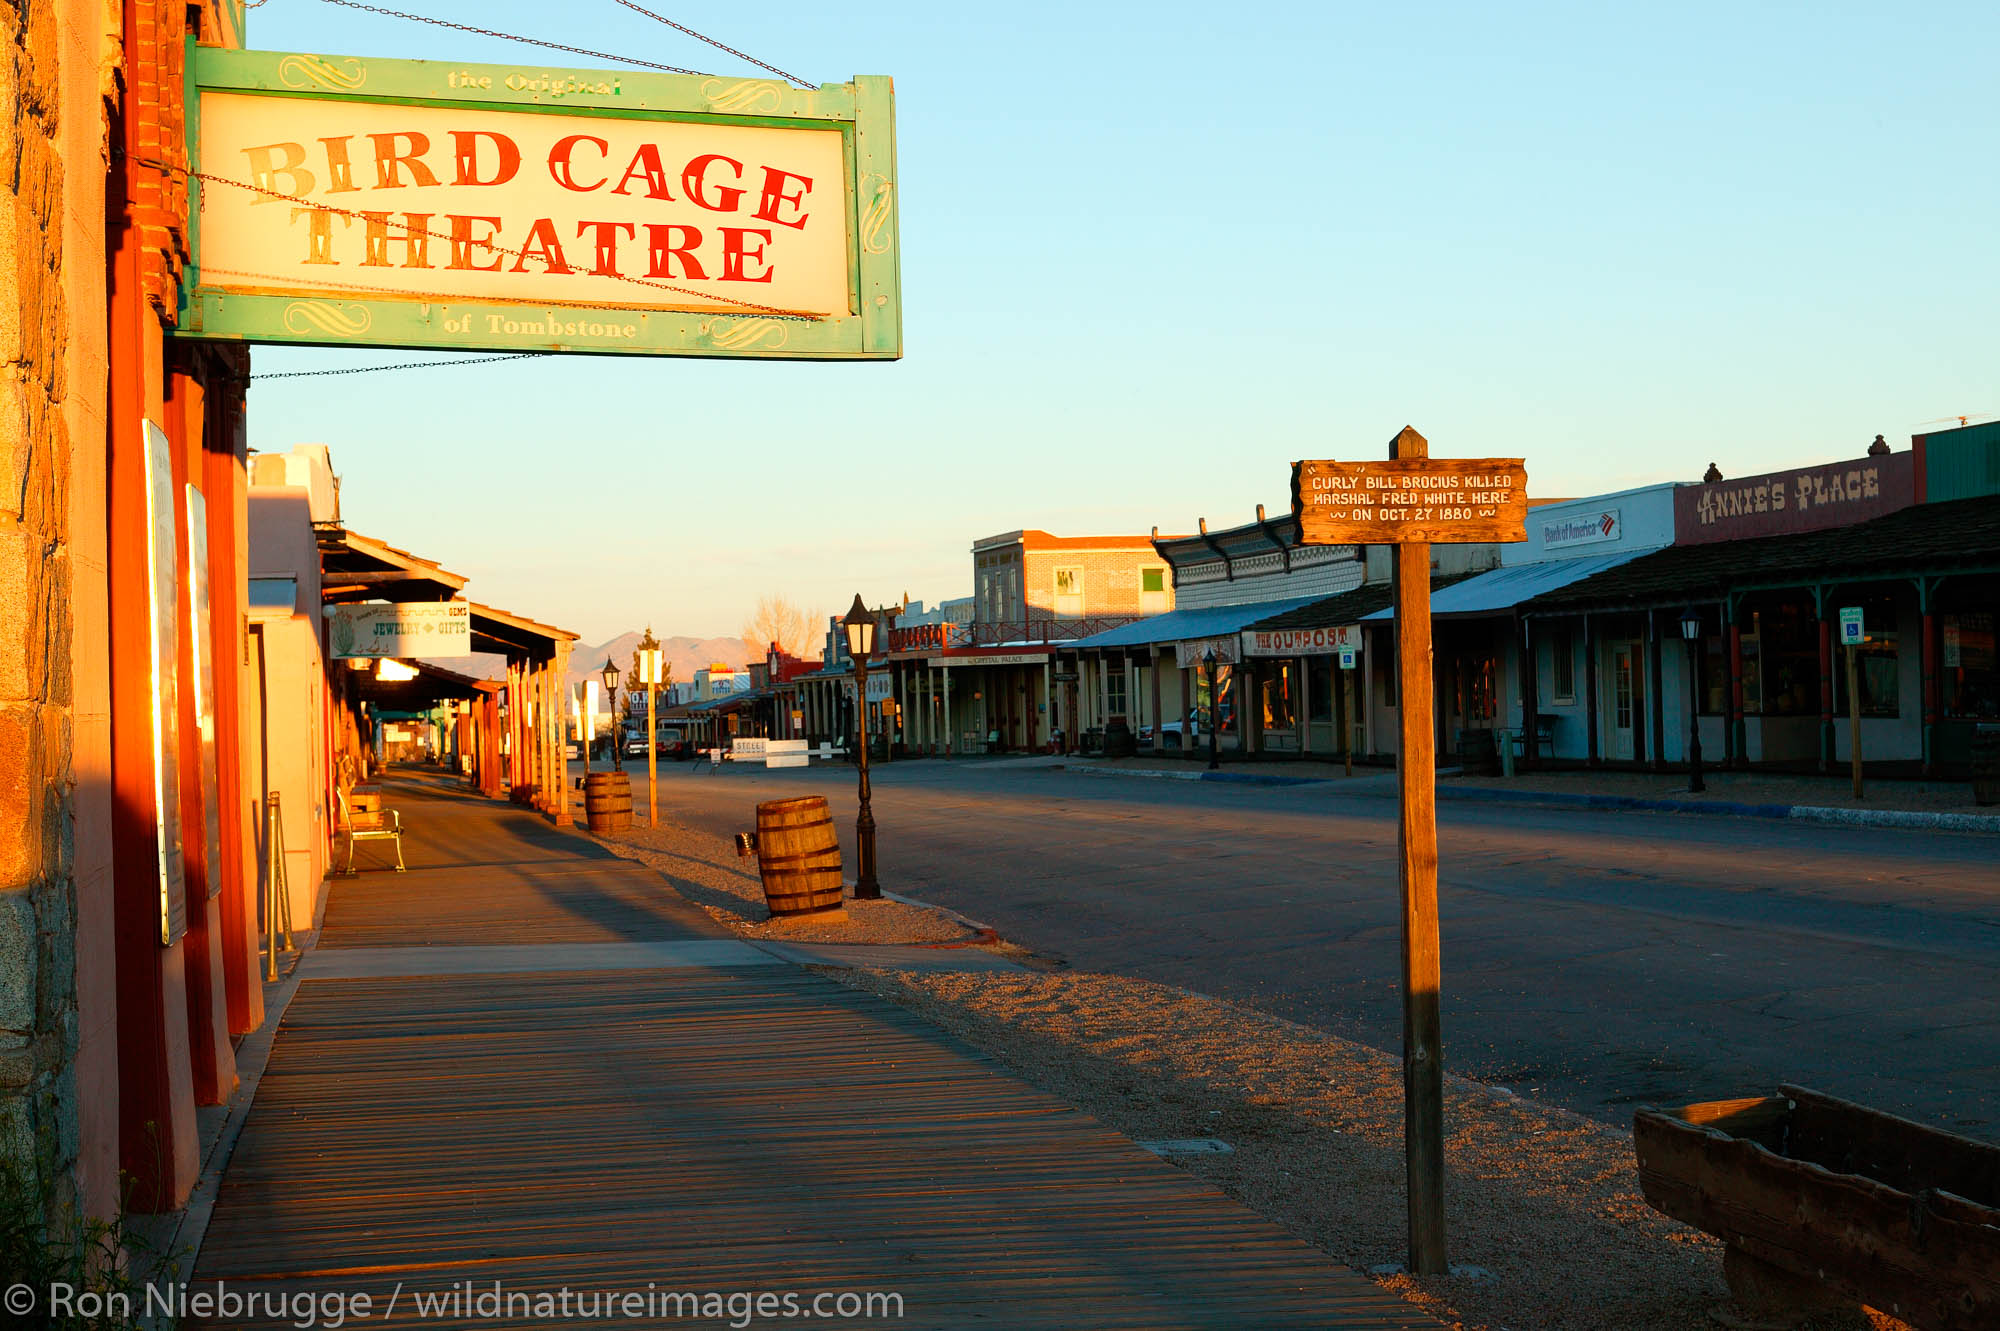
column 1620, row 242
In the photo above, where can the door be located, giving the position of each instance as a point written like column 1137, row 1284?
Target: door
column 1624, row 701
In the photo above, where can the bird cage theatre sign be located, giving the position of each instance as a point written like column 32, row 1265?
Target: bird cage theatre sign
column 407, row 203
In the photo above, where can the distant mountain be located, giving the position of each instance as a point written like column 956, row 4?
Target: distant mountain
column 685, row 655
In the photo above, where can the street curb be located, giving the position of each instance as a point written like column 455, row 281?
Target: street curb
column 1805, row 813
column 1260, row 779
column 1145, row 773
column 1940, row 822
column 1231, row 778
column 1629, row 803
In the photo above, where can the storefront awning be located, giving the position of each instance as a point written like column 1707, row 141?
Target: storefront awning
column 354, row 567
column 1502, row 589
column 1954, row 537
column 1183, row 625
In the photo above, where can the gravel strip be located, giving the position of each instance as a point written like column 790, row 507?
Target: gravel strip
column 1547, row 1229
column 706, row 870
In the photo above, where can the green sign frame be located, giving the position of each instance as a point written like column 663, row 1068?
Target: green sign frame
column 863, row 110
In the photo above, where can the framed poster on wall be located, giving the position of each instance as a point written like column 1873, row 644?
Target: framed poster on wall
column 163, row 585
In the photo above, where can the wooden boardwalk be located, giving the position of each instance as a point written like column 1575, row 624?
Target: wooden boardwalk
column 753, row 1129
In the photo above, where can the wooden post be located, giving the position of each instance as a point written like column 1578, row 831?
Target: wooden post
column 1853, row 721
column 652, row 759
column 1423, row 1067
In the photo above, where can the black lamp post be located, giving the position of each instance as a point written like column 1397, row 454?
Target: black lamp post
column 1691, row 633
column 611, row 701
column 1214, row 712
column 860, row 626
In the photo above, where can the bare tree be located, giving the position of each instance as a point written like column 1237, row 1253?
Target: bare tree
column 780, row 622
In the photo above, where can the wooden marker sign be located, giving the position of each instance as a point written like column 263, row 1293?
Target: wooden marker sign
column 1410, row 501
column 1448, row 500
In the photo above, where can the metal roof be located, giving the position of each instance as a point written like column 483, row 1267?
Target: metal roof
column 1504, row 588
column 1349, row 607
column 1182, row 625
column 354, row 567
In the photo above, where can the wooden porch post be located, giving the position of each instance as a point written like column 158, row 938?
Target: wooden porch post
column 1738, row 738
column 1825, row 627
column 1590, row 690
column 1929, row 646
column 1531, row 684
column 1656, row 712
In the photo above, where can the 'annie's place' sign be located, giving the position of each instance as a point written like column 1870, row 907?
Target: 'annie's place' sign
column 415, row 203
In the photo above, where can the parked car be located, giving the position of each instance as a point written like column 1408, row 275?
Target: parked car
column 572, row 749
column 1192, row 729
column 635, row 746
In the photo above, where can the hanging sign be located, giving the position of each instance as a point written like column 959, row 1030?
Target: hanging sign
column 1410, row 499
column 410, row 628
column 409, row 203
column 1301, row 642
column 1191, row 654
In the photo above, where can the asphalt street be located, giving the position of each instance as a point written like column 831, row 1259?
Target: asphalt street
column 1595, row 960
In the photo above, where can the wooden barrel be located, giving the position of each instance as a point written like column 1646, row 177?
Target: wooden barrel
column 607, row 801
column 798, row 854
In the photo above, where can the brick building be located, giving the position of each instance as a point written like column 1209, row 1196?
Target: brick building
column 122, row 976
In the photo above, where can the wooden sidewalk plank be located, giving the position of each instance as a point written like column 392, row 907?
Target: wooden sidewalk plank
column 755, row 1129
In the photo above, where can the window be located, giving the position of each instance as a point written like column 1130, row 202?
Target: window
column 1562, row 665
column 1781, row 662
column 1386, row 670
column 1069, row 591
column 1320, row 671
column 1152, row 590
column 1875, row 665
column 1114, row 689
column 273, row 597
column 1715, row 676
column 1478, row 689
column 1278, row 699
column 1971, row 671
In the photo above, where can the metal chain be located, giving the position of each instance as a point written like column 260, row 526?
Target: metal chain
column 703, row 37
column 406, row 230
column 401, row 365
column 511, row 37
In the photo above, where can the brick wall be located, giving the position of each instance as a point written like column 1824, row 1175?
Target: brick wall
column 38, row 1013
column 1110, row 580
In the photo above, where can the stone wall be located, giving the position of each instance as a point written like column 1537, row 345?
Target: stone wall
column 38, row 1019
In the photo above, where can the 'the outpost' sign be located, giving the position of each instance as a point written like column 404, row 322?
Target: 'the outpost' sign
column 1783, row 502
column 1302, row 642
column 423, row 204
column 1410, row 499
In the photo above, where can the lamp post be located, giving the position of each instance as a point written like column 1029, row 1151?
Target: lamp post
column 1691, row 633
column 1214, row 712
column 860, row 626
column 611, row 701
column 649, row 675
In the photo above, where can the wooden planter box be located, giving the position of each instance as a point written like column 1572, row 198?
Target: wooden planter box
column 1833, row 1199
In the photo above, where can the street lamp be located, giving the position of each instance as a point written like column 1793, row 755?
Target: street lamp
column 1214, row 712
column 611, row 701
column 1691, row 633
column 649, row 675
column 860, row 626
